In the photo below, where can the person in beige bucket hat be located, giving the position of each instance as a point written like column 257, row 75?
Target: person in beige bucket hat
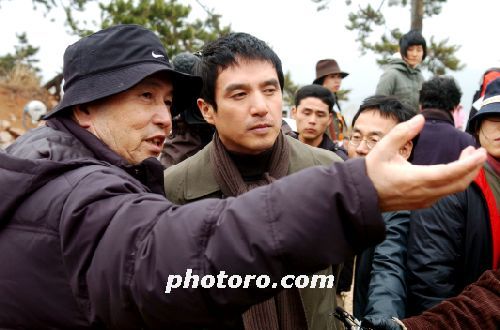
column 329, row 75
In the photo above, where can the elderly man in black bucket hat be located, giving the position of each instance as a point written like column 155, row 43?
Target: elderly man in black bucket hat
column 88, row 240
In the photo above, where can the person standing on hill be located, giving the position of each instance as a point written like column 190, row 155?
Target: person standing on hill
column 402, row 77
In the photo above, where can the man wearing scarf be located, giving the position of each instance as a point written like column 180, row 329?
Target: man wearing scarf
column 242, row 98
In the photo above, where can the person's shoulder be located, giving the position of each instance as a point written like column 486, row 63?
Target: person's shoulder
column 303, row 155
column 466, row 139
column 190, row 179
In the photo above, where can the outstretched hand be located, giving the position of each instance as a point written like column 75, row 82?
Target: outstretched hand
column 402, row 186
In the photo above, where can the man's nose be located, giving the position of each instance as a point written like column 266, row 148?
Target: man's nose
column 163, row 118
column 259, row 106
column 362, row 148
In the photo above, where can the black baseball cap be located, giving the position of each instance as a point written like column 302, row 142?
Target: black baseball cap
column 115, row 59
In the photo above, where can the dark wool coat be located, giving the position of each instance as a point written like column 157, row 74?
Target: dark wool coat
column 439, row 142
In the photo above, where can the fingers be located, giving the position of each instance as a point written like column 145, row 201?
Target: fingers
column 421, row 186
column 460, row 173
column 403, row 132
column 396, row 139
column 454, row 177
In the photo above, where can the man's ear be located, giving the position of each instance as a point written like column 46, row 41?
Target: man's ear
column 207, row 110
column 294, row 112
column 405, row 151
column 82, row 116
column 330, row 118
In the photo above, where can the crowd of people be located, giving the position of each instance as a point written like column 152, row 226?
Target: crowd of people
column 148, row 168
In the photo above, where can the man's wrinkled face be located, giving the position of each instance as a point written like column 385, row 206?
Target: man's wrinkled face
column 414, row 55
column 489, row 135
column 133, row 123
column 249, row 105
column 369, row 128
column 313, row 117
column 333, row 82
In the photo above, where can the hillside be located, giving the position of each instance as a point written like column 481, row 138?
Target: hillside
column 16, row 90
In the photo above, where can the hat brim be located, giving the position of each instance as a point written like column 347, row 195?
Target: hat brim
column 342, row 74
column 489, row 109
column 95, row 87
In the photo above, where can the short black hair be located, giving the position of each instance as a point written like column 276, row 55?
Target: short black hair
column 316, row 91
column 185, row 62
column 319, row 81
column 224, row 52
column 388, row 106
column 412, row 38
column 440, row 92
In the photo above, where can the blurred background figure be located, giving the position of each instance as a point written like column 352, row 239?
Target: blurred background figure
column 488, row 76
column 439, row 141
column 329, row 75
column 402, row 77
column 313, row 112
column 35, row 110
column 190, row 132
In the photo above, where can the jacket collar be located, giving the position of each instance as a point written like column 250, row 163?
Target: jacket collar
column 436, row 114
column 200, row 180
column 326, row 143
column 149, row 172
column 401, row 65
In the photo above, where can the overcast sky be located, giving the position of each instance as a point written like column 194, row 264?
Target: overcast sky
column 300, row 36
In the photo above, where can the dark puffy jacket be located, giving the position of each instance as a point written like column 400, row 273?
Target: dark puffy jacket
column 86, row 243
column 380, row 283
column 449, row 247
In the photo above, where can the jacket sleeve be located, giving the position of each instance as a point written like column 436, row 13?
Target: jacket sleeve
column 387, row 288
column 434, row 253
column 477, row 307
column 386, row 84
column 123, row 267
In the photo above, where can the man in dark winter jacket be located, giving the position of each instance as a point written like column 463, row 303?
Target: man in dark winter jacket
column 440, row 142
column 87, row 239
column 380, row 285
column 313, row 112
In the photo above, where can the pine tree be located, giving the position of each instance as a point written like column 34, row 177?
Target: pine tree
column 365, row 21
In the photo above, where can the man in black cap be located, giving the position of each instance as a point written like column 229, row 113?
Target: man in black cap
column 87, row 239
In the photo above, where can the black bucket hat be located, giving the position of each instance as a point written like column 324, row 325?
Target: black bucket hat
column 115, row 59
column 490, row 105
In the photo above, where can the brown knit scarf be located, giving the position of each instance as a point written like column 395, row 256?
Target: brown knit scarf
column 283, row 311
column 228, row 177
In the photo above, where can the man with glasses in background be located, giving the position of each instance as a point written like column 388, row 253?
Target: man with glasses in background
column 380, row 286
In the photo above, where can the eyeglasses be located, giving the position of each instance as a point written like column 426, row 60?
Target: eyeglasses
column 371, row 141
